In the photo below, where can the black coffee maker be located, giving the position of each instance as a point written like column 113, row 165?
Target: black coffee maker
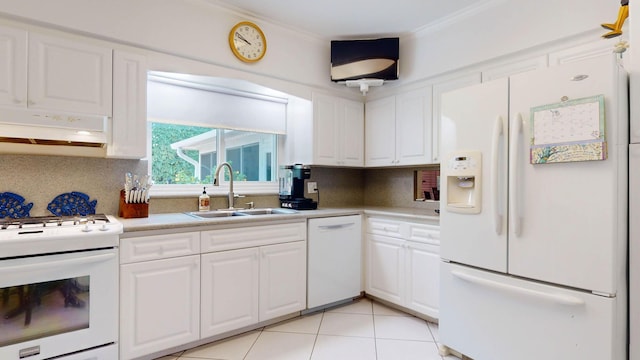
column 292, row 179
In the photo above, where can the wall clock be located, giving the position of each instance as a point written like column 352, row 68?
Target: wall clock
column 247, row 42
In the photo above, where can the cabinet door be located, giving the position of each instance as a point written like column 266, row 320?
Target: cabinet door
column 380, row 132
column 385, row 268
column 338, row 131
column 129, row 123
column 413, row 127
column 159, row 305
column 68, row 75
column 423, row 278
column 229, row 297
column 283, row 279
column 13, row 67
column 325, row 130
column 352, row 134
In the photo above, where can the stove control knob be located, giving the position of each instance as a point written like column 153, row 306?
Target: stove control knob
column 103, row 227
column 86, row 228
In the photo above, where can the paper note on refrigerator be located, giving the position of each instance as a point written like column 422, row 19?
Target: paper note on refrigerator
column 572, row 130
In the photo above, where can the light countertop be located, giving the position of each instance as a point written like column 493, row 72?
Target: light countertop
column 182, row 220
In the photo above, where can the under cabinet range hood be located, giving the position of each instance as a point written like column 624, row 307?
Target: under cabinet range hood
column 30, row 131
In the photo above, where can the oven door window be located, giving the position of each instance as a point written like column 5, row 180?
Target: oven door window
column 35, row 310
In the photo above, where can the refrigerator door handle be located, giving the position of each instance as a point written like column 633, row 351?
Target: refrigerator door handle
column 495, row 173
column 516, row 290
column 514, row 139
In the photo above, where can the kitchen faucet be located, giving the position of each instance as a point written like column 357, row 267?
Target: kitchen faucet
column 216, row 182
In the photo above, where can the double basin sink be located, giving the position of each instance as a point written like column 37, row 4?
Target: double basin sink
column 239, row 212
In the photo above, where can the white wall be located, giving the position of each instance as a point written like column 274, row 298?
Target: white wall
column 499, row 29
column 193, row 29
column 198, row 30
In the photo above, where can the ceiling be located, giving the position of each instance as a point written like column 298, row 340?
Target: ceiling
column 349, row 19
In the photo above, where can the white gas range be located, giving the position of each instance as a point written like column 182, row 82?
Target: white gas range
column 59, row 287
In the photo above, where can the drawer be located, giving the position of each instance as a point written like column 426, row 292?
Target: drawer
column 237, row 238
column 385, row 227
column 155, row 247
column 429, row 234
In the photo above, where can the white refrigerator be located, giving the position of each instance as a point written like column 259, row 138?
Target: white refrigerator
column 634, row 235
column 534, row 256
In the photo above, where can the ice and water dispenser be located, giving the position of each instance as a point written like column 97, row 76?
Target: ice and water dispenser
column 463, row 176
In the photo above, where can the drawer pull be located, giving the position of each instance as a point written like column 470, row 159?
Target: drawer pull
column 336, row 226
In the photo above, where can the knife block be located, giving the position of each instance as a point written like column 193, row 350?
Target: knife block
column 129, row 211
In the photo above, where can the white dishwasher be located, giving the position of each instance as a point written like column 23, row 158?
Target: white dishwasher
column 334, row 260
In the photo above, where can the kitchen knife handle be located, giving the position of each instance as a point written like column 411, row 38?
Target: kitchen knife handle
column 514, row 140
column 495, row 173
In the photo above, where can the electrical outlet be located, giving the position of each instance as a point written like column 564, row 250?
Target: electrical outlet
column 312, row 187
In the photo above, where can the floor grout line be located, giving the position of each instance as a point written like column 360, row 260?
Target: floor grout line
column 362, row 311
column 375, row 341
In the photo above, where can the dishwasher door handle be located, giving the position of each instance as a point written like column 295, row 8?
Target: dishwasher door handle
column 336, row 226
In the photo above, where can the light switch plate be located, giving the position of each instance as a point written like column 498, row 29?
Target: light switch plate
column 312, row 187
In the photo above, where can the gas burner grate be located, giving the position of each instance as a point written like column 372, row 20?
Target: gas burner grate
column 45, row 221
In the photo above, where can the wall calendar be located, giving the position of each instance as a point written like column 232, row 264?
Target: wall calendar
column 572, row 130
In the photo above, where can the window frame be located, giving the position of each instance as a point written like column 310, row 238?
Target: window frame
column 239, row 187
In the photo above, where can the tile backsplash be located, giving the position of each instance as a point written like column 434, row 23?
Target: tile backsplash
column 39, row 179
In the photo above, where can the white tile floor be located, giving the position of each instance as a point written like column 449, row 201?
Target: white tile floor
column 364, row 330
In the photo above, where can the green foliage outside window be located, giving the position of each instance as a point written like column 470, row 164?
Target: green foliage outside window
column 167, row 166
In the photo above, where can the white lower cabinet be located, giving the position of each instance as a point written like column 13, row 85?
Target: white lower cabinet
column 423, row 278
column 178, row 288
column 283, row 279
column 403, row 263
column 159, row 305
column 230, row 281
column 246, row 286
column 385, row 268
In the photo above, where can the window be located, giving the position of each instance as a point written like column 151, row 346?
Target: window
column 196, row 124
column 189, row 154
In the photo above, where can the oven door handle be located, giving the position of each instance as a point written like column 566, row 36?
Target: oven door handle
column 65, row 262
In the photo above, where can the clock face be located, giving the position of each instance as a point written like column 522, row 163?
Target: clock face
column 247, row 42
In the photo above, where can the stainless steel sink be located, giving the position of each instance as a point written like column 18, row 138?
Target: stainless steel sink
column 239, row 212
column 210, row 214
column 266, row 211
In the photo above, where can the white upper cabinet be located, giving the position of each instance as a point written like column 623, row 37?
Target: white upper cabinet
column 398, row 129
column 380, row 132
column 129, row 123
column 54, row 73
column 69, row 75
column 13, row 67
column 413, row 127
column 338, row 131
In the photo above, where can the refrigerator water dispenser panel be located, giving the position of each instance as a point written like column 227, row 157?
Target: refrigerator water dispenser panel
column 464, row 186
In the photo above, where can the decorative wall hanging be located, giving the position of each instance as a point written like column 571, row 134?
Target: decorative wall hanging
column 572, row 130
column 73, row 203
column 13, row 206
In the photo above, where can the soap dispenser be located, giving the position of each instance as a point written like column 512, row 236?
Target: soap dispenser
column 203, row 201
